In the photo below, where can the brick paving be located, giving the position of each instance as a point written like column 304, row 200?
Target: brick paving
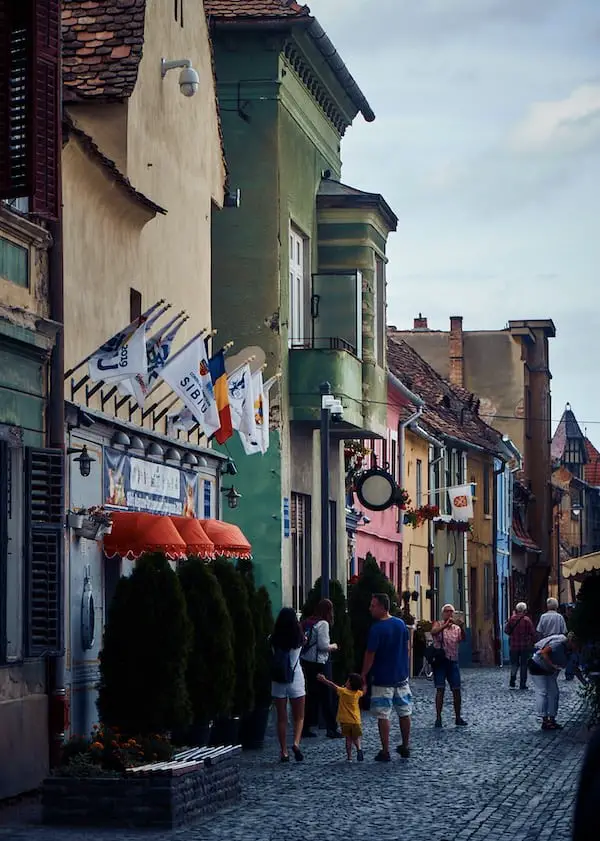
column 500, row 779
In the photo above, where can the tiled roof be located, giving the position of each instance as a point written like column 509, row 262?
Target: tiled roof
column 254, row 8
column 591, row 470
column 112, row 170
column 449, row 411
column 102, row 48
column 568, row 428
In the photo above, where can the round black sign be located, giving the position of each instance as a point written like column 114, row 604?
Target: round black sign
column 376, row 489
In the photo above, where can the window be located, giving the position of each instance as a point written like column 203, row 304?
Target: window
column 394, row 456
column 361, row 565
column 486, row 489
column 31, row 546
column 300, row 518
column 336, row 311
column 298, row 254
column 29, row 103
column 488, row 590
column 178, row 11
column 135, row 304
column 383, row 567
column 419, row 482
column 14, row 262
column 207, row 500
column 379, row 311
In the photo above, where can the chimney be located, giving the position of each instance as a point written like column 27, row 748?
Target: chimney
column 420, row 323
column 457, row 359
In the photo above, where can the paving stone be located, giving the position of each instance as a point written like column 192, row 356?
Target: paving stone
column 499, row 779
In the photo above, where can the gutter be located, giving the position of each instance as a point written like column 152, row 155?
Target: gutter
column 406, row 392
column 418, row 430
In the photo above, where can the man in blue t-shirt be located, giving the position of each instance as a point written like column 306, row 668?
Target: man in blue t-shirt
column 386, row 658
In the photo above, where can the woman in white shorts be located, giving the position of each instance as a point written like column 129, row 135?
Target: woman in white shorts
column 286, row 644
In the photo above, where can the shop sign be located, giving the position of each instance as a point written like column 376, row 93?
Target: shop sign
column 133, row 484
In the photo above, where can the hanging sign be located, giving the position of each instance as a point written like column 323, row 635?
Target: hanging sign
column 133, row 484
column 376, row 489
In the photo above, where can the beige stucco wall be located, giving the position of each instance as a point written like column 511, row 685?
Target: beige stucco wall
column 172, row 154
column 414, row 541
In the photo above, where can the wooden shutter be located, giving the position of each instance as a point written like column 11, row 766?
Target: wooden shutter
column 4, row 482
column 44, row 497
column 30, row 103
column 45, row 101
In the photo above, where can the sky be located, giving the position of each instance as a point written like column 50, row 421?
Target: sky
column 486, row 145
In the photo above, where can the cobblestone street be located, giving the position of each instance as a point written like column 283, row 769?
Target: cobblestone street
column 500, row 779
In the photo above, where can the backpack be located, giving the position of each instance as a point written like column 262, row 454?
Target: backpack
column 282, row 670
column 308, row 637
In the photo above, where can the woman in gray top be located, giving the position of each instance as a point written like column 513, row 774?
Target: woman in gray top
column 550, row 656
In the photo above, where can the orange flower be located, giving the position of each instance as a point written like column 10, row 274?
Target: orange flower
column 97, row 745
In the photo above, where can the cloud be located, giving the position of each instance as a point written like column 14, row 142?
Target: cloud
column 569, row 124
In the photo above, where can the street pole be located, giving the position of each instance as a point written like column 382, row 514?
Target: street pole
column 325, row 389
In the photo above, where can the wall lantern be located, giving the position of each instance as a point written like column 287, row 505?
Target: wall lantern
column 84, row 459
column 232, row 496
column 229, row 468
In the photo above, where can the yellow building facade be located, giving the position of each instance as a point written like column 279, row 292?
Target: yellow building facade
column 415, row 541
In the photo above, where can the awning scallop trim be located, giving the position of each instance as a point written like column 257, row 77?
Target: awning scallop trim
column 195, row 538
column 134, row 533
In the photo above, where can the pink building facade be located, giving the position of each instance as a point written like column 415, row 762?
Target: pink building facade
column 382, row 535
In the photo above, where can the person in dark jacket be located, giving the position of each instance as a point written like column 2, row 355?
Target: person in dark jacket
column 521, row 632
column 587, row 819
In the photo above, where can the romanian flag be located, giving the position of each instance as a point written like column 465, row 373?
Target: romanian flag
column 218, row 376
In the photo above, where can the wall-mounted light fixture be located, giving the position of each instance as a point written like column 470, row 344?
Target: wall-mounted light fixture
column 229, row 468
column 232, row 496
column 189, row 81
column 120, row 439
column 84, row 459
column 189, row 460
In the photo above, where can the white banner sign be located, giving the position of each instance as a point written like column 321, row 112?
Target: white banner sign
column 461, row 500
column 241, row 399
column 158, row 479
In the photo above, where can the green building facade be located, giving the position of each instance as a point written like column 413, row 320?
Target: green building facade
column 299, row 271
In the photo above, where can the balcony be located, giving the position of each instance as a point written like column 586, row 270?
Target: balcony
column 325, row 359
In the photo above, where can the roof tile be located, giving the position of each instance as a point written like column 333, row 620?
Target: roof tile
column 104, row 40
column 254, row 8
column 591, row 470
column 449, row 411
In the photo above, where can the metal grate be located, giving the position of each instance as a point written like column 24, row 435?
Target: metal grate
column 45, row 468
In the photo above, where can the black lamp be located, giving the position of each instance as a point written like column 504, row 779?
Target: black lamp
column 232, row 496
column 84, row 459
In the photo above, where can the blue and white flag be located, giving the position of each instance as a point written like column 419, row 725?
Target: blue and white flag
column 241, row 399
column 158, row 350
column 124, row 355
column 188, row 375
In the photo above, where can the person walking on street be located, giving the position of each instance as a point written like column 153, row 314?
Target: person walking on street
column 314, row 658
column 386, row 659
column 521, row 635
column 448, row 633
column 287, row 679
column 551, row 623
column 349, row 712
column 550, row 656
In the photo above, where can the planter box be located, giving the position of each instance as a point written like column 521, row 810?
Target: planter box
column 177, row 797
column 75, row 521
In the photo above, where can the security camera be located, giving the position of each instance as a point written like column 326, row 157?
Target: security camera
column 366, row 520
column 189, row 81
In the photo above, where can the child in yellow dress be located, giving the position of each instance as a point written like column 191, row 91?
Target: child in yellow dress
column 349, row 712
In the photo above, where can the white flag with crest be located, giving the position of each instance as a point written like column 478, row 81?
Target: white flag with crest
column 461, row 500
column 259, row 442
column 241, row 399
column 188, row 375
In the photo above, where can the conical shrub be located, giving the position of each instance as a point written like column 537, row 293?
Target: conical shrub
column 341, row 632
column 371, row 580
column 147, row 640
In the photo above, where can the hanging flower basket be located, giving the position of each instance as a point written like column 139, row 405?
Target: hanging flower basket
column 75, row 520
column 354, row 461
column 402, row 499
column 415, row 517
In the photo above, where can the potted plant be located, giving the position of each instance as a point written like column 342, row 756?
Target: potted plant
column 227, row 728
column 147, row 640
column 210, row 675
column 254, row 722
column 95, row 523
column 75, row 518
column 414, row 596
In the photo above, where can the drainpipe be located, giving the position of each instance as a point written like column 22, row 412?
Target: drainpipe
column 402, row 447
column 497, row 622
column 466, row 562
column 58, row 714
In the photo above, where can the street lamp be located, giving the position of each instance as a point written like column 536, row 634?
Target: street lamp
column 331, row 409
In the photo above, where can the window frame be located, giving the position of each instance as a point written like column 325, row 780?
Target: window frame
column 298, row 274
column 379, row 310
column 301, row 548
column 419, row 482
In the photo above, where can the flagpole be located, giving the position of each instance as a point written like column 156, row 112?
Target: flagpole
column 79, row 365
column 152, row 321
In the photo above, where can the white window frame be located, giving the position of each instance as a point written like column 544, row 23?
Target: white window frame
column 298, row 274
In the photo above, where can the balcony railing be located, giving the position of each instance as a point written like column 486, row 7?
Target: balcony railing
column 323, row 343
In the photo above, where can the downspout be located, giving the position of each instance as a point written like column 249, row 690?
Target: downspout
column 58, row 714
column 402, row 447
column 497, row 627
